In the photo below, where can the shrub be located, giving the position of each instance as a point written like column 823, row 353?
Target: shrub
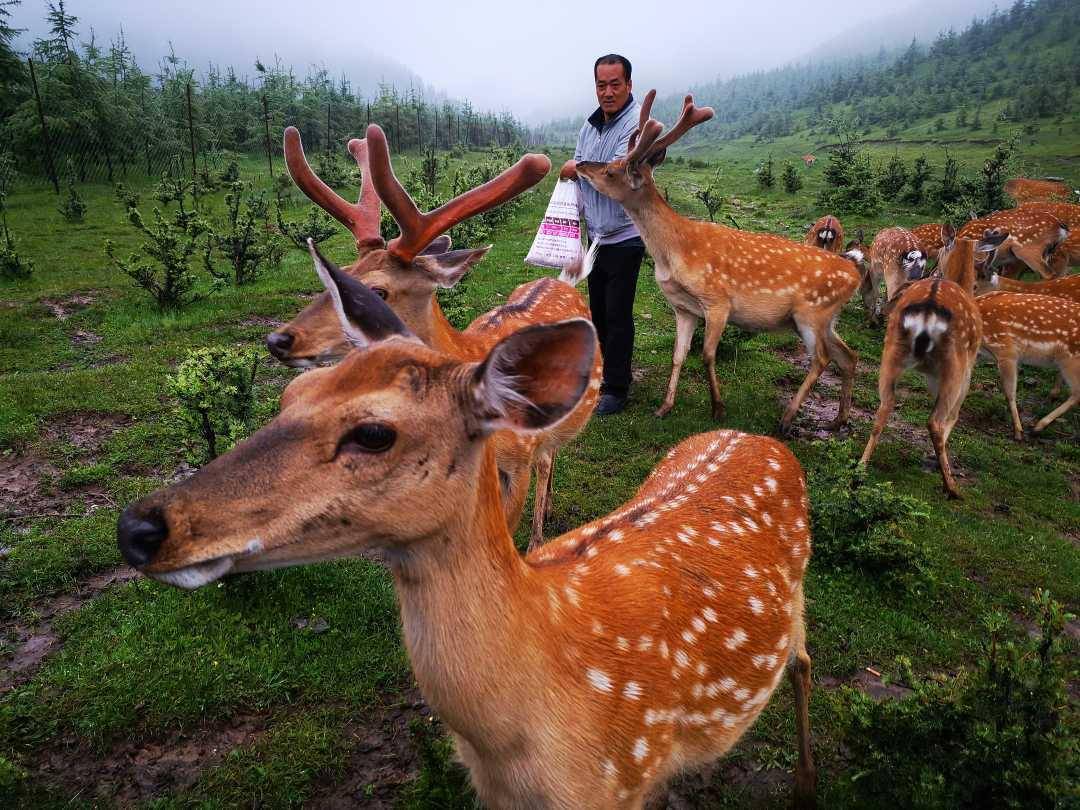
column 862, row 524
column 331, row 170
column 850, row 186
column 917, row 180
column 162, row 266
column 319, row 226
column 127, row 198
column 894, row 177
column 790, row 178
column 215, row 392
column 12, row 265
column 765, row 177
column 694, row 163
column 993, row 174
column 244, row 240
column 72, row 209
column 710, row 195
column 998, row 736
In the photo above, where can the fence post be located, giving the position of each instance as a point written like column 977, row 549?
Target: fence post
column 266, row 125
column 44, row 130
column 191, row 132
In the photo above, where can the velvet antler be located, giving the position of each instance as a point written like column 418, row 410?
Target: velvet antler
column 361, row 218
column 647, row 142
column 417, row 229
column 648, row 131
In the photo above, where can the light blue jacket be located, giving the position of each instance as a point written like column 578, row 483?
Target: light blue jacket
column 603, row 141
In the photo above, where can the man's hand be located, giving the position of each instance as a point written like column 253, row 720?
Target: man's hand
column 568, row 170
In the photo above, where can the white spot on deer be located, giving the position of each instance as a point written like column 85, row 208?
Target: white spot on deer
column 751, row 572
column 622, row 570
column 698, row 625
column 737, row 638
column 708, row 592
column 572, row 596
column 682, row 659
column 632, row 690
column 622, row 644
column 771, row 484
column 597, row 628
column 609, row 770
column 616, row 535
column 598, row 679
column 756, row 605
column 741, row 694
column 641, row 749
column 663, row 649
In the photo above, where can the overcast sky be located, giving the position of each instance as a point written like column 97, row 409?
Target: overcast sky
column 501, row 55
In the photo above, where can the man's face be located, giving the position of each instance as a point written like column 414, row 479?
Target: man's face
column 612, row 88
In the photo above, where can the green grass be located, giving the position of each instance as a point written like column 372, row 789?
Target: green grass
column 146, row 662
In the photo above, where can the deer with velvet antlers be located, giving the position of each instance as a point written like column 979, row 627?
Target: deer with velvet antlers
column 585, row 674
column 406, row 273
column 757, row 281
column 934, row 326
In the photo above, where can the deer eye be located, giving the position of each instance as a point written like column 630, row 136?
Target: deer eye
column 379, row 291
column 370, row 437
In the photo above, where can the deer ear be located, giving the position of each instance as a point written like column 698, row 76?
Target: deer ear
column 365, row 317
column 440, row 244
column 534, row 377
column 450, row 267
column 992, row 237
column 948, row 234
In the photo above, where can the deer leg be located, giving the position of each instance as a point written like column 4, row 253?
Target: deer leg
column 1007, row 369
column 1070, row 372
column 1059, row 383
column 685, row 323
column 846, row 359
column 798, row 670
column 868, row 288
column 891, row 367
column 715, row 321
column 815, row 341
column 953, row 385
column 544, row 462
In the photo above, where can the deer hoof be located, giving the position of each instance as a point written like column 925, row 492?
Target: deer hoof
column 663, row 410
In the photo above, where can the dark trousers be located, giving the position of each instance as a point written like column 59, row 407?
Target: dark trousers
column 612, row 285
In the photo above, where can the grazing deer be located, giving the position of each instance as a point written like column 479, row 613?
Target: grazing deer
column 1038, row 231
column 757, row 281
column 934, row 325
column 407, row 272
column 1025, row 190
column 929, row 238
column 897, row 257
column 1067, row 253
column 583, row 675
column 827, row 233
column 1067, row 287
column 1039, row 330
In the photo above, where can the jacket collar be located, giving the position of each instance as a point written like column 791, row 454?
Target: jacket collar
column 597, row 118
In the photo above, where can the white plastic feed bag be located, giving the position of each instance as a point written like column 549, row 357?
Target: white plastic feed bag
column 558, row 240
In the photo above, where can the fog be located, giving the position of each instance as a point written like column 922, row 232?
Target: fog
column 534, row 61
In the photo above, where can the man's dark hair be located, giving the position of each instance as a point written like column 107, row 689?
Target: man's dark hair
column 613, row 59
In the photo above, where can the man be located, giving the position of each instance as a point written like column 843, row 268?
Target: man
column 613, row 282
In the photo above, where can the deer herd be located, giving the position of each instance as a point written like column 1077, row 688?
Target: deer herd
column 593, row 668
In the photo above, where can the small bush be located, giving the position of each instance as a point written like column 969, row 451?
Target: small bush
column 710, row 195
column 999, row 736
column 319, row 226
column 893, row 179
column 765, row 177
column 162, row 266
column 245, row 240
column 790, row 178
column 215, row 391
column 917, row 180
column 127, row 198
column 862, row 524
column 13, row 266
column 332, row 170
column 72, row 209
column 694, row 163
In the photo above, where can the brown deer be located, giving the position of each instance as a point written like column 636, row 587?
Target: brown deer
column 1067, row 253
column 1039, row 330
column 757, row 281
column 827, row 233
column 934, row 326
column 1025, row 190
column 407, row 272
column 929, row 237
column 584, row 675
column 1067, row 287
column 896, row 257
column 1038, row 231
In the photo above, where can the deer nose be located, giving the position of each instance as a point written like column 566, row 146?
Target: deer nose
column 279, row 343
column 140, row 536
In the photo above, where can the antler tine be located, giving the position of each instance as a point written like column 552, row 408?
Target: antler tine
column 354, row 217
column 648, row 130
column 417, row 229
column 367, row 206
column 691, row 116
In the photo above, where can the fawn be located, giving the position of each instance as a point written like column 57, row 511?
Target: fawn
column 583, row 675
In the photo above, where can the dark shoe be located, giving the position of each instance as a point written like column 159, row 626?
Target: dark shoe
column 609, row 404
